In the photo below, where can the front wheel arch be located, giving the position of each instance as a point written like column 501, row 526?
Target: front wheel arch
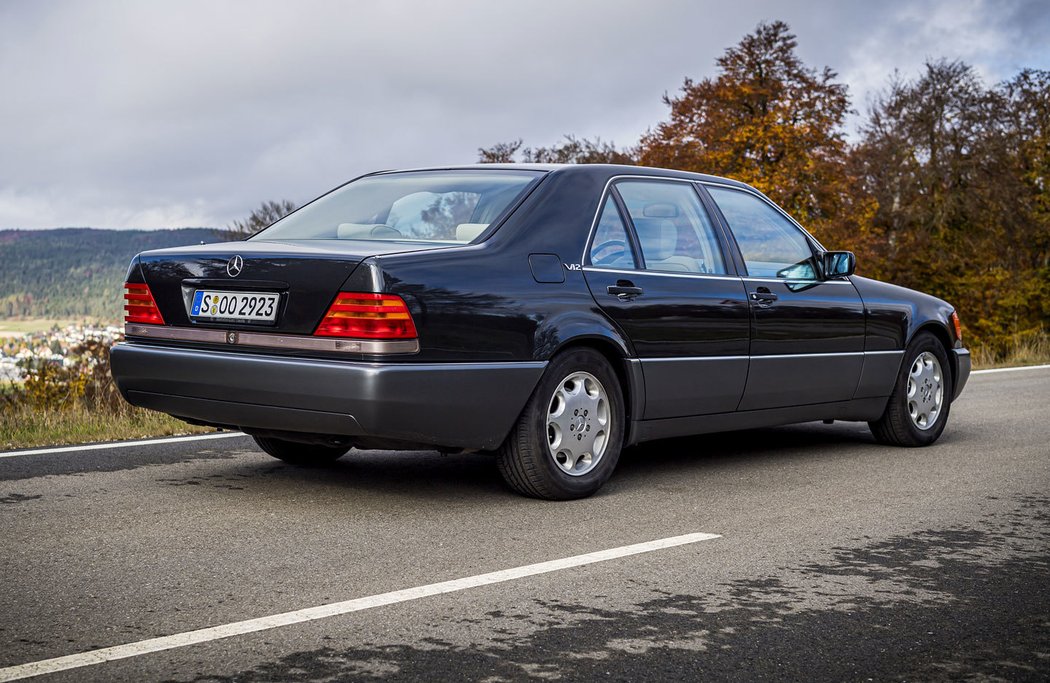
column 898, row 426
column 940, row 332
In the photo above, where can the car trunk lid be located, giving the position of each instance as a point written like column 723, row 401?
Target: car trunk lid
column 306, row 275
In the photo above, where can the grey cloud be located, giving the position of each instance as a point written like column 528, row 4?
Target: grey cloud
column 131, row 114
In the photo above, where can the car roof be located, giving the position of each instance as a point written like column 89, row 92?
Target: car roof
column 603, row 170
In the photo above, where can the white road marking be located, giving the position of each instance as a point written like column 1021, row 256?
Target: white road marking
column 142, row 647
column 1023, row 367
column 118, row 444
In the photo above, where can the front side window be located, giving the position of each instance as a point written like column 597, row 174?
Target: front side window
column 610, row 248
column 420, row 206
column 673, row 229
column 772, row 246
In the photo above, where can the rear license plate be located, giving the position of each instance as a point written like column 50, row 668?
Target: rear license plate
column 249, row 306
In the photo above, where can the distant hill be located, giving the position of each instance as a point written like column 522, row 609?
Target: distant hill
column 77, row 272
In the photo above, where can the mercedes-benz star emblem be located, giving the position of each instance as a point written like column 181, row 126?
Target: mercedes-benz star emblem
column 235, row 266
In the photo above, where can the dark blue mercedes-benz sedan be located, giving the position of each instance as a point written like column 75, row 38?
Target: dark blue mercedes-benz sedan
column 552, row 314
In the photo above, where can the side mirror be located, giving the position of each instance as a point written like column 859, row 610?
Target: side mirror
column 838, row 264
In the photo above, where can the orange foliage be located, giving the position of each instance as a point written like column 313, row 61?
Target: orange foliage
column 946, row 191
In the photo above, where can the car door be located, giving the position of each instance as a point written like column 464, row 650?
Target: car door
column 807, row 334
column 657, row 266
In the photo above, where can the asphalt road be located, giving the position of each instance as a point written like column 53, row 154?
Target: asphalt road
column 837, row 559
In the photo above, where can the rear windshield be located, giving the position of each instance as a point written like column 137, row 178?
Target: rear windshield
column 420, row 206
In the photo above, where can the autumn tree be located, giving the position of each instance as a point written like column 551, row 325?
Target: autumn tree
column 1020, row 245
column 959, row 174
column 571, row 150
column 499, row 153
column 768, row 120
column 946, row 189
column 267, row 213
column 1028, row 128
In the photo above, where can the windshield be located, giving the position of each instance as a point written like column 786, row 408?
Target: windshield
column 420, row 206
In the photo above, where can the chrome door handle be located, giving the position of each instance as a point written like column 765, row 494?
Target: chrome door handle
column 763, row 296
column 624, row 290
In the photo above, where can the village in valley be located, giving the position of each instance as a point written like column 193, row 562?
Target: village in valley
column 18, row 350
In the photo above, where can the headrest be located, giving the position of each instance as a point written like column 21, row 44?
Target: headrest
column 468, row 232
column 349, row 231
column 660, row 210
column 658, row 237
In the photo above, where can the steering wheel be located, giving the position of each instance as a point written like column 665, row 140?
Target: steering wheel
column 610, row 244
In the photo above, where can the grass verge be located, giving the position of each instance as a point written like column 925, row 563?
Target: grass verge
column 1032, row 348
column 21, row 427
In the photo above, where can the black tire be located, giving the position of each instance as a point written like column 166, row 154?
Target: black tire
column 525, row 459
column 896, row 426
column 300, row 454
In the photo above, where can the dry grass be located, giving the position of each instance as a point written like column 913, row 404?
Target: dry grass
column 1032, row 348
column 22, row 427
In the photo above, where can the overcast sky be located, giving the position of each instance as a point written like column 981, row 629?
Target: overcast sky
column 168, row 114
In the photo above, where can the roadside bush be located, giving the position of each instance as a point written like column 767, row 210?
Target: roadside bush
column 100, row 391
column 82, row 380
column 48, row 385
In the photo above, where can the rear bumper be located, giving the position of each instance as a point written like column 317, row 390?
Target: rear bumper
column 461, row 405
column 962, row 370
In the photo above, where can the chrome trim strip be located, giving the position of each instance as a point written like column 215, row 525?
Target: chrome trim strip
column 269, row 340
column 693, row 358
column 810, row 355
column 210, row 336
column 637, row 271
column 662, row 273
column 780, row 355
column 797, row 282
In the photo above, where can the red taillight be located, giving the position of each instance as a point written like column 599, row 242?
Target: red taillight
column 367, row 316
column 956, row 325
column 139, row 305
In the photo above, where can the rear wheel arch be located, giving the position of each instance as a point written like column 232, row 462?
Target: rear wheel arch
column 542, row 456
column 616, row 355
column 556, row 332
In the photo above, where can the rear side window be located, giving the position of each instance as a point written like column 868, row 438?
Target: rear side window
column 610, row 248
column 421, row 206
column 673, row 229
column 772, row 246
